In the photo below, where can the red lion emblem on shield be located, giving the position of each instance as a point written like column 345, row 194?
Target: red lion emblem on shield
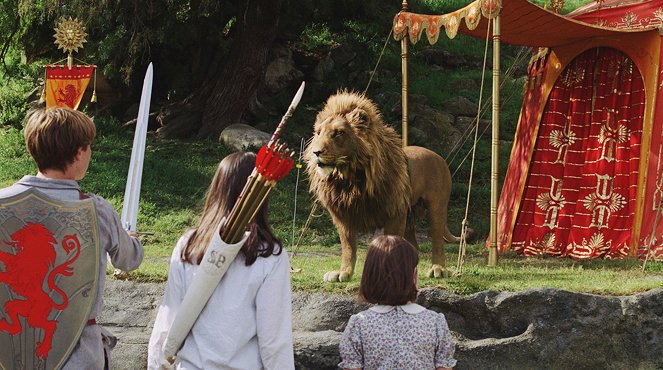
column 25, row 273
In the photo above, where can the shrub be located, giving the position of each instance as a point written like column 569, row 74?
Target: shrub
column 18, row 82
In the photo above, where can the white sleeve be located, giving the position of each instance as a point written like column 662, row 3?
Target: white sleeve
column 172, row 298
column 126, row 252
column 274, row 317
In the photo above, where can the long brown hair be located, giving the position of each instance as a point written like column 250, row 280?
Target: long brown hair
column 388, row 276
column 226, row 186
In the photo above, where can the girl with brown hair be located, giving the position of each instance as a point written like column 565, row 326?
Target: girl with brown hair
column 246, row 323
column 396, row 333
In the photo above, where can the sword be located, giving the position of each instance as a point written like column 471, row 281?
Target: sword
column 273, row 162
column 134, row 177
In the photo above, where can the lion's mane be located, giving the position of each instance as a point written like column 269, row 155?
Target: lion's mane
column 370, row 184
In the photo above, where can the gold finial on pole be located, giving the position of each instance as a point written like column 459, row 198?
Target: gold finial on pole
column 69, row 36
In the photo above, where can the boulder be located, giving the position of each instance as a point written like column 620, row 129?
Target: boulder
column 281, row 71
column 240, row 136
column 461, row 106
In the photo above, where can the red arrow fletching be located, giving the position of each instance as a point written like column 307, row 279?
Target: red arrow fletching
column 263, row 157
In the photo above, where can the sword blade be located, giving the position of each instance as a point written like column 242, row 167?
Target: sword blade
column 135, row 175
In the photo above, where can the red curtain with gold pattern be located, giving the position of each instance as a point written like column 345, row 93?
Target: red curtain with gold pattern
column 580, row 194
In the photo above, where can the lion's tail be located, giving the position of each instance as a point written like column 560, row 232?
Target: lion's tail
column 449, row 237
column 68, row 243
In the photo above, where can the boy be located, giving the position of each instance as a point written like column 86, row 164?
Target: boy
column 59, row 140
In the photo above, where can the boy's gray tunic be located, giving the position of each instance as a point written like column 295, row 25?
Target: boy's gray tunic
column 125, row 253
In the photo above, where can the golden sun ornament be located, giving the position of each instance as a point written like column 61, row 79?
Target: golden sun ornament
column 70, row 35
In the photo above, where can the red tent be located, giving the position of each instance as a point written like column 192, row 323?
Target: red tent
column 585, row 177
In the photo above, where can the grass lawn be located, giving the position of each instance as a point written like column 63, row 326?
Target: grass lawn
column 513, row 273
column 176, row 175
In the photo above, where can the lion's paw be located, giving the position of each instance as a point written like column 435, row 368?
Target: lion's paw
column 120, row 275
column 42, row 349
column 438, row 271
column 336, row 276
column 331, row 276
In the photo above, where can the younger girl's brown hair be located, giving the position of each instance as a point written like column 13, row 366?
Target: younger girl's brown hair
column 388, row 276
column 227, row 184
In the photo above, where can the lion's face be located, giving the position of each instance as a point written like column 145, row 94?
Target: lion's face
column 336, row 140
column 35, row 242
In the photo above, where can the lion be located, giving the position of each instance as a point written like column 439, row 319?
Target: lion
column 360, row 173
column 25, row 273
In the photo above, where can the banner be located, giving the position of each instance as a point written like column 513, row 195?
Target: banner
column 64, row 86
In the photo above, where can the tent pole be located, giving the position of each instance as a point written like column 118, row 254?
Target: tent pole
column 404, row 60
column 492, row 249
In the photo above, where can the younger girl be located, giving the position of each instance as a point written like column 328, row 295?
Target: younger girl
column 396, row 333
column 246, row 323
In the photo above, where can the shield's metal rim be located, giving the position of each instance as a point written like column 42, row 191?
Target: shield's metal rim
column 66, row 204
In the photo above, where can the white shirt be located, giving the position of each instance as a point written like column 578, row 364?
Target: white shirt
column 246, row 323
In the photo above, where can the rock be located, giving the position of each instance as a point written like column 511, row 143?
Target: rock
column 464, row 84
column 318, row 311
column 532, row 329
column 129, row 312
column 463, row 124
column 281, row 71
column 461, row 106
column 430, row 127
column 316, row 350
column 243, row 137
column 343, row 55
column 323, row 68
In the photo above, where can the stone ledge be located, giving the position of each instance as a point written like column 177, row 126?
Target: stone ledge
column 538, row 328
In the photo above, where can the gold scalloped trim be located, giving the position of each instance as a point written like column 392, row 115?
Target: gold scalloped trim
column 414, row 25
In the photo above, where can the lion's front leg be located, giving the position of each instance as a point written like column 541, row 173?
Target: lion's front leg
column 438, row 226
column 438, row 268
column 348, row 255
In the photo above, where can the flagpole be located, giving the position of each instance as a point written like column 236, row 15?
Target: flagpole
column 404, row 65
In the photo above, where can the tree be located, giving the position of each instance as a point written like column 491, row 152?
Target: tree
column 221, row 102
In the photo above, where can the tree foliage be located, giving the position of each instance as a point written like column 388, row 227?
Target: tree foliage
column 193, row 43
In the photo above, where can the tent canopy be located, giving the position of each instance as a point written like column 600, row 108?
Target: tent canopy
column 523, row 23
column 585, row 176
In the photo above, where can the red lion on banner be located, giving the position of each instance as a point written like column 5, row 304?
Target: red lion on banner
column 69, row 96
column 25, row 273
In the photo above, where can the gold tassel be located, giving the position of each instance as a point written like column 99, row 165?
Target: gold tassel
column 42, row 97
column 94, row 91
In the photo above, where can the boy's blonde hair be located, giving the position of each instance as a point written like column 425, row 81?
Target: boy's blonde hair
column 54, row 135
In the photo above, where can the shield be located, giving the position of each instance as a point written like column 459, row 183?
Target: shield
column 49, row 270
